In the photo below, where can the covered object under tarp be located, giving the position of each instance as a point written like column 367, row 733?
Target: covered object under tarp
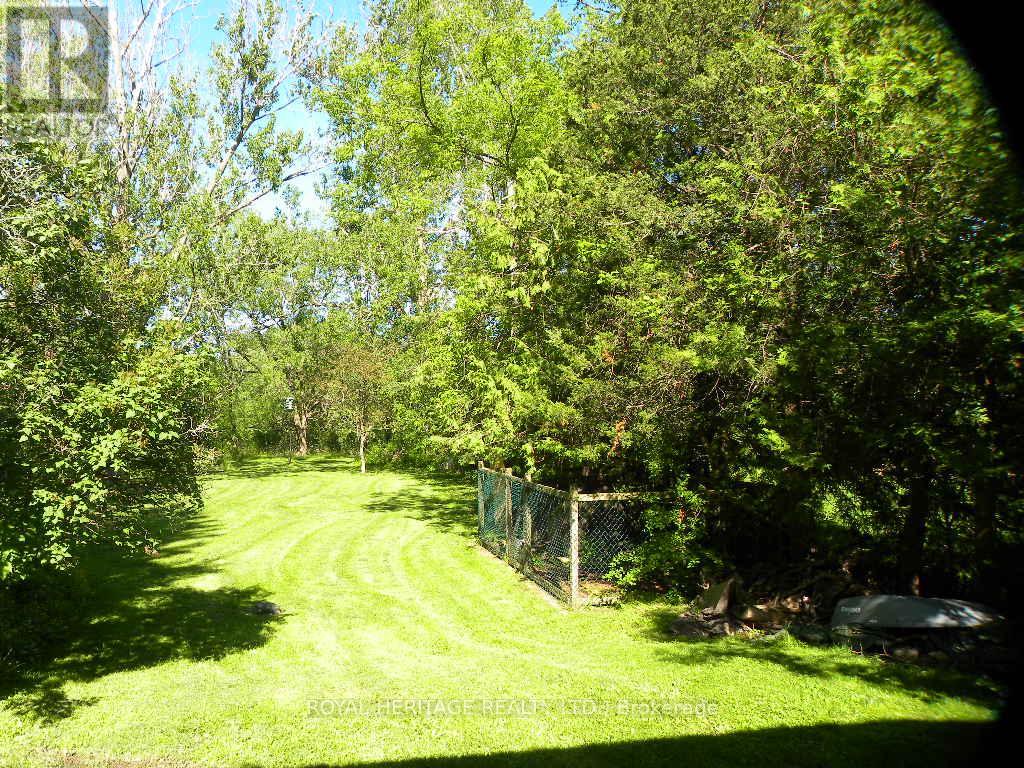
column 909, row 612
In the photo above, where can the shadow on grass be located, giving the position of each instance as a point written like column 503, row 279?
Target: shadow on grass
column 271, row 466
column 880, row 743
column 443, row 500
column 926, row 683
column 440, row 502
column 449, row 506
column 118, row 613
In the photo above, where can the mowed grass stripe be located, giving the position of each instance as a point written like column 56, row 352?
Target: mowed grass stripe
column 386, row 595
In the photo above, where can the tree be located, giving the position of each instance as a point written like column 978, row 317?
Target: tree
column 442, row 114
column 98, row 409
column 360, row 387
column 839, row 210
column 763, row 255
column 190, row 150
column 265, row 302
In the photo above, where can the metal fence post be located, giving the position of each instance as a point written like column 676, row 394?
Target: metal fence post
column 574, row 547
column 509, row 529
column 480, row 496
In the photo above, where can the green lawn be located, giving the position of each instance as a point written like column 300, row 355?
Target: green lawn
column 387, row 597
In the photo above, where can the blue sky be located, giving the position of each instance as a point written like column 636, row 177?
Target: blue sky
column 202, row 35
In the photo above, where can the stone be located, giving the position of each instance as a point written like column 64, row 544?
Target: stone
column 795, row 603
column 811, row 633
column 905, row 653
column 688, row 626
column 717, row 598
column 763, row 614
column 266, row 608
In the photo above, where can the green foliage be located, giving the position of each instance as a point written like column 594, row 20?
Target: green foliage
column 296, row 321
column 836, row 222
column 96, row 404
column 765, row 256
column 762, row 257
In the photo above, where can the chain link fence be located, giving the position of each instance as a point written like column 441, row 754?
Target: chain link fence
column 564, row 541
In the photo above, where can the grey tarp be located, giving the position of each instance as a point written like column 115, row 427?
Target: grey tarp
column 908, row 612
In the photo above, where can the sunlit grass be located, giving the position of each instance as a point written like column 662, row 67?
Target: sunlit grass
column 386, row 596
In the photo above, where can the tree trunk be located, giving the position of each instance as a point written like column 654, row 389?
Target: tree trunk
column 362, row 450
column 915, row 526
column 301, row 421
column 986, row 500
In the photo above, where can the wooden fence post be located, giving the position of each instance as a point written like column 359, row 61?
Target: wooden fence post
column 480, row 496
column 509, row 530
column 574, row 547
column 524, row 557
